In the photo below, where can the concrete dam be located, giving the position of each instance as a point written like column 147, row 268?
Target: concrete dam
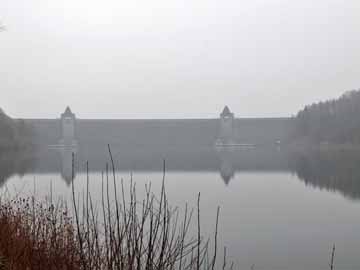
column 168, row 134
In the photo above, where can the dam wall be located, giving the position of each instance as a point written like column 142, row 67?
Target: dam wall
column 166, row 134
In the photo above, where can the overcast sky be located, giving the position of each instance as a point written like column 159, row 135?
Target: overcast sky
column 175, row 58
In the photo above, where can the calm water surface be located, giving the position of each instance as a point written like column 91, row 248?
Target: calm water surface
column 273, row 217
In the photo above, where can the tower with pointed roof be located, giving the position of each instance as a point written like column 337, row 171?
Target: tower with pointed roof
column 227, row 118
column 68, row 121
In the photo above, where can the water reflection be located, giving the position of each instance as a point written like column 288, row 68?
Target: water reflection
column 328, row 170
column 227, row 171
column 68, row 171
column 14, row 163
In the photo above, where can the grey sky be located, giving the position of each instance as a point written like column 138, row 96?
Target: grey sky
column 174, row 59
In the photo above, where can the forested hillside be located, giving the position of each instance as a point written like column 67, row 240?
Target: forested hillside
column 14, row 134
column 332, row 121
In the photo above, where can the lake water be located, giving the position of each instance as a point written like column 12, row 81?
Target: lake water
column 279, row 210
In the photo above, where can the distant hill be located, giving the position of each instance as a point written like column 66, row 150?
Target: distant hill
column 7, row 131
column 14, row 134
column 332, row 121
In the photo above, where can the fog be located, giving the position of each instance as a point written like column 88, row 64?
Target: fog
column 175, row 59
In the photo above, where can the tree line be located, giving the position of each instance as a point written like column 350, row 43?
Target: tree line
column 15, row 134
column 332, row 121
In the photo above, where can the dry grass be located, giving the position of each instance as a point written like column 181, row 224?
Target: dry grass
column 36, row 236
column 132, row 235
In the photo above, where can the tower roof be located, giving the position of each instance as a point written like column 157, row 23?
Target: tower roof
column 68, row 113
column 68, row 110
column 226, row 112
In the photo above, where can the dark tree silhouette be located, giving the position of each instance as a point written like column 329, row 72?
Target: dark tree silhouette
column 334, row 121
column 14, row 134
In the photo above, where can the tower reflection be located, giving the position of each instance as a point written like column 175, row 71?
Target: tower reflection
column 227, row 170
column 68, row 171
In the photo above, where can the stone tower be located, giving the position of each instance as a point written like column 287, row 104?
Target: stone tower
column 227, row 118
column 68, row 122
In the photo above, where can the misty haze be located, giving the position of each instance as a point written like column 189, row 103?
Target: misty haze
column 179, row 135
